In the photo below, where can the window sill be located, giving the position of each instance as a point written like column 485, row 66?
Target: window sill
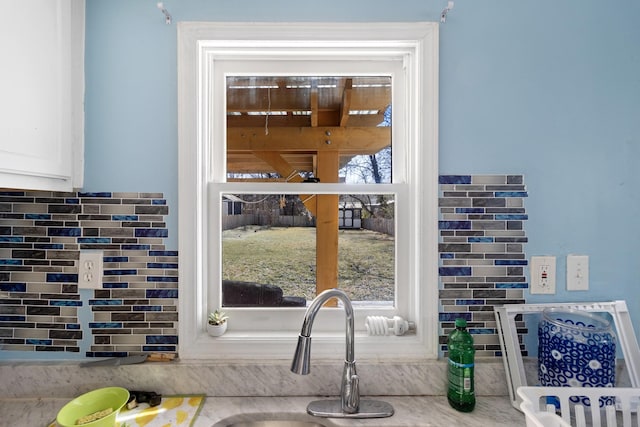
column 276, row 345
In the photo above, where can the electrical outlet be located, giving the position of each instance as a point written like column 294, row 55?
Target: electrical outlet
column 542, row 271
column 90, row 270
column 577, row 272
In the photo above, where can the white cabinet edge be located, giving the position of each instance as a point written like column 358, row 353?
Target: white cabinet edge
column 38, row 166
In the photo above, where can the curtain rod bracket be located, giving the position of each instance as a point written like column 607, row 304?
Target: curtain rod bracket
column 165, row 12
column 445, row 11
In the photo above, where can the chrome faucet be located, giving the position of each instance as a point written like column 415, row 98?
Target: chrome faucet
column 349, row 405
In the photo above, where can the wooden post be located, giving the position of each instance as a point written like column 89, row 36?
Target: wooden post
column 327, row 224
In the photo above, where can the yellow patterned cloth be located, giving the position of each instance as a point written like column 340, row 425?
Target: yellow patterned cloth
column 173, row 411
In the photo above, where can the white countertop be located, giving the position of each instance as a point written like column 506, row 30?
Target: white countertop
column 410, row 411
column 33, row 392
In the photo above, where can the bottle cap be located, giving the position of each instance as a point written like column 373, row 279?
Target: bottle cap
column 461, row 323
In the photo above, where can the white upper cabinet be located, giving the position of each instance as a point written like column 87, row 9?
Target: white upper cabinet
column 42, row 87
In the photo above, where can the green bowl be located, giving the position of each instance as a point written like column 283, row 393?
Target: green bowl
column 92, row 402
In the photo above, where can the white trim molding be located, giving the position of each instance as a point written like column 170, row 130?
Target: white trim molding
column 412, row 45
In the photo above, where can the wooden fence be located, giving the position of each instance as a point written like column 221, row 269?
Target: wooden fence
column 380, row 225
column 235, row 221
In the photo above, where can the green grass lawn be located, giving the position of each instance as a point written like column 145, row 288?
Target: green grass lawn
column 286, row 257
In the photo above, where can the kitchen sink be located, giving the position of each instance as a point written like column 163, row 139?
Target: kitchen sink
column 273, row 420
column 275, row 423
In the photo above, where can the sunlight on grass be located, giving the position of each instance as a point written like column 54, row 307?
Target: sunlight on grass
column 286, row 257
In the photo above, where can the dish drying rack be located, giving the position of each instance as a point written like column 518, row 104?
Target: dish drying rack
column 553, row 406
column 512, row 356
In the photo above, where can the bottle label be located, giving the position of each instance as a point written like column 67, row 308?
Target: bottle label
column 460, row 377
column 467, row 384
column 461, row 365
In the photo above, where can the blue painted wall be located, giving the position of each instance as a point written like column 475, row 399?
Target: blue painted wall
column 543, row 88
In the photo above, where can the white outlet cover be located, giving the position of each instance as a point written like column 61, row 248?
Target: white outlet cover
column 538, row 283
column 90, row 269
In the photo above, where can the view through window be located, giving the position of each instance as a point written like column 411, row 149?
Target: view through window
column 281, row 249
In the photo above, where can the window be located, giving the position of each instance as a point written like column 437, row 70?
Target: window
column 216, row 62
column 282, row 249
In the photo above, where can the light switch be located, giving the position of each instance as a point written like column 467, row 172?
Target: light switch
column 577, row 272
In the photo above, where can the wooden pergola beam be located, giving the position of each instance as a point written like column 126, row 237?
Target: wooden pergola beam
column 327, row 225
column 345, row 106
column 349, row 140
column 280, row 165
column 324, row 118
column 286, row 99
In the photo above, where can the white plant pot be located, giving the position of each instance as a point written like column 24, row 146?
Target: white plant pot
column 216, row 330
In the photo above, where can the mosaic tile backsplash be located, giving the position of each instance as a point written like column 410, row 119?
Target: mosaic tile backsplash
column 41, row 235
column 482, row 264
column 482, row 259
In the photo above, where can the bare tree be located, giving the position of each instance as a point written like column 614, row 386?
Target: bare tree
column 368, row 169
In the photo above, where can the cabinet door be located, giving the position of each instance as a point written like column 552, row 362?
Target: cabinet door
column 42, row 87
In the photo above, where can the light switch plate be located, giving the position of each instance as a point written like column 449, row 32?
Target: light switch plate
column 542, row 272
column 577, row 272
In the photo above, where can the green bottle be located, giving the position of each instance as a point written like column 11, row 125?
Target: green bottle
column 461, row 393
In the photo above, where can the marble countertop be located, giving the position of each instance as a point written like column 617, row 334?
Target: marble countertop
column 410, row 411
column 33, row 392
column 248, row 378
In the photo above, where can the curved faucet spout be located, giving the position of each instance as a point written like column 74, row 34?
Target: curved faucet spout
column 314, row 308
column 349, row 405
column 349, row 390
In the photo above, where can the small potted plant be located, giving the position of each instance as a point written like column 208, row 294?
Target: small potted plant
column 217, row 324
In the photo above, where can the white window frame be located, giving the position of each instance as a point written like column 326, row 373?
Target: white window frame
column 206, row 51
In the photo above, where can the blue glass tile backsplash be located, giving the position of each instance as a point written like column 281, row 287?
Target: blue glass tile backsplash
column 481, row 264
column 41, row 235
column 482, row 259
